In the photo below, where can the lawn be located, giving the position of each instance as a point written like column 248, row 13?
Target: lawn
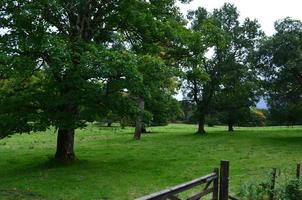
column 111, row 165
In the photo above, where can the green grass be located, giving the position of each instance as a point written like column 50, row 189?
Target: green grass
column 113, row 166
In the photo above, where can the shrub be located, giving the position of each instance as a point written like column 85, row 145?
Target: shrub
column 286, row 188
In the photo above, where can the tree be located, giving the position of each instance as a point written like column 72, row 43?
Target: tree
column 257, row 117
column 280, row 59
column 153, row 35
column 44, row 48
column 62, row 62
column 239, row 85
column 200, row 80
column 188, row 109
column 226, row 82
column 164, row 109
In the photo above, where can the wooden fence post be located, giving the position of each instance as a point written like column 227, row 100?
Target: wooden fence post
column 224, row 180
column 272, row 192
column 215, row 185
column 298, row 171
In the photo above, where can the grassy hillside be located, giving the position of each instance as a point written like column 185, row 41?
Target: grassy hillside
column 113, row 166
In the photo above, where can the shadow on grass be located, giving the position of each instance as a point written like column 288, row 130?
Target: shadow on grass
column 210, row 134
column 116, row 166
column 12, row 194
column 291, row 136
column 290, row 140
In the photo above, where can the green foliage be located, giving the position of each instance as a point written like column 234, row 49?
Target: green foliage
column 188, row 110
column 239, row 84
column 280, row 62
column 252, row 117
column 286, row 188
column 164, row 109
column 293, row 190
column 257, row 118
column 254, row 191
column 239, row 117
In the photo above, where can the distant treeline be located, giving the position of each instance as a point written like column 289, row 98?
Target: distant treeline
column 251, row 117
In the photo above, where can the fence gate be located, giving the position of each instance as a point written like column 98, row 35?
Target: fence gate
column 215, row 184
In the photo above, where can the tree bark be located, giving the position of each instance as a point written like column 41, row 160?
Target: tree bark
column 65, row 144
column 123, row 126
column 230, row 127
column 139, row 120
column 144, row 130
column 201, row 123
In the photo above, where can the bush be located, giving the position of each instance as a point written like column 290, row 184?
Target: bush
column 293, row 190
column 286, row 188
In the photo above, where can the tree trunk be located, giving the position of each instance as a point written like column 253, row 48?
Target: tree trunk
column 123, row 125
column 201, row 123
column 109, row 124
column 144, row 130
column 65, row 143
column 230, row 126
column 139, row 120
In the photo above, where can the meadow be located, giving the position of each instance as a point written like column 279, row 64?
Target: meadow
column 111, row 165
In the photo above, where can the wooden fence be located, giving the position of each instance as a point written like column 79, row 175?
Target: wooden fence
column 215, row 184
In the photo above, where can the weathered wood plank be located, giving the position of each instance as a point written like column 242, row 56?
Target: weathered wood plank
column 224, row 180
column 173, row 198
column 215, row 185
column 164, row 194
column 207, row 185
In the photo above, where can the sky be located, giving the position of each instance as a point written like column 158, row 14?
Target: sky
column 266, row 11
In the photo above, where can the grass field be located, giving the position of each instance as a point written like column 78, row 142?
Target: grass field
column 111, row 165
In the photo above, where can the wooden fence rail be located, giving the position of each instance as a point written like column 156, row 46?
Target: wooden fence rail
column 171, row 192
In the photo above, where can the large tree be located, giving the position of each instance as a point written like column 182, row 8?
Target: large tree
column 62, row 62
column 281, row 64
column 55, row 57
column 239, row 85
column 225, row 80
column 200, row 77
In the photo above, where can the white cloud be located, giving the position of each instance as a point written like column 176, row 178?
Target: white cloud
column 266, row 11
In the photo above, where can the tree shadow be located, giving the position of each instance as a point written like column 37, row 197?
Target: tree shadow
column 129, row 165
column 50, row 172
column 291, row 140
column 20, row 194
